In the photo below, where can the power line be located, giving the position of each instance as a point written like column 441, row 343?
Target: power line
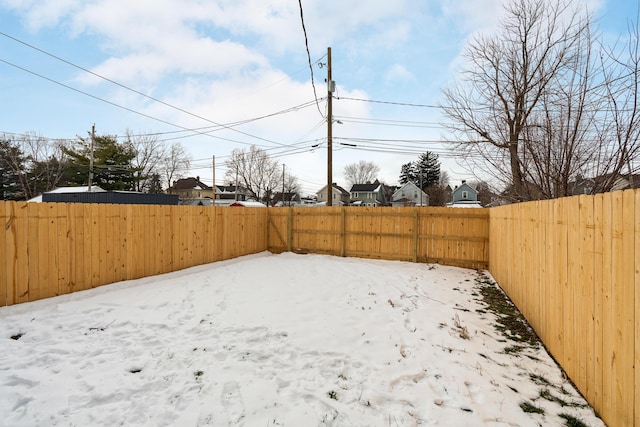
column 406, row 104
column 306, row 44
column 124, row 87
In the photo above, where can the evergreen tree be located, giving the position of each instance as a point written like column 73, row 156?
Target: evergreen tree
column 425, row 172
column 11, row 164
column 407, row 173
column 428, row 169
column 112, row 164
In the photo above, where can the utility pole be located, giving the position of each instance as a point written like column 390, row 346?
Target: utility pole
column 213, row 202
column 283, row 184
column 93, row 137
column 330, row 88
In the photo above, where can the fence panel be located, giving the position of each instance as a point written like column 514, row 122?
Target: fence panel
column 50, row 249
column 571, row 266
column 448, row 236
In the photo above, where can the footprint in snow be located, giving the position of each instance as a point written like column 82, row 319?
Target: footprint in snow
column 231, row 400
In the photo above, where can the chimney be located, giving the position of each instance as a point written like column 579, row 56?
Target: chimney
column 464, row 181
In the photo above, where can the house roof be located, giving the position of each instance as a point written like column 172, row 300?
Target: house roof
column 404, row 187
column 190, row 184
column 287, row 196
column 369, row 187
column 230, row 189
column 465, row 187
column 81, row 189
column 248, row 204
column 337, row 187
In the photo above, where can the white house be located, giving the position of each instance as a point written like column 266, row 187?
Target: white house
column 339, row 196
column 409, row 195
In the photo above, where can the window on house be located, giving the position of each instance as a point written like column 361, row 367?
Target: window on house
column 334, row 195
column 465, row 195
column 355, row 195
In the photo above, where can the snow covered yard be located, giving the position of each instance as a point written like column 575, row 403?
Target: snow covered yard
column 279, row 340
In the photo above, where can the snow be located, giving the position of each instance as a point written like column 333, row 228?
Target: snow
column 275, row 340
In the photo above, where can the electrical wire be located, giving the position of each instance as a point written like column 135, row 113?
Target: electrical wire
column 306, row 44
column 406, row 104
column 182, row 110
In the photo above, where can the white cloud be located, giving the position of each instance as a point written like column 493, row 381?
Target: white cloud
column 399, row 72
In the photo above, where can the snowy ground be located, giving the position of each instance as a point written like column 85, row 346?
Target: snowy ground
column 277, row 340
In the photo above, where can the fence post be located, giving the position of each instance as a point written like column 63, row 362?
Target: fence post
column 415, row 235
column 343, row 231
column 289, row 228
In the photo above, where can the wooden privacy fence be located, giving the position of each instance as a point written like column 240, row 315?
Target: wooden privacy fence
column 56, row 248
column 457, row 237
column 572, row 266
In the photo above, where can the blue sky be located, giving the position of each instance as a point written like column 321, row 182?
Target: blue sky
column 224, row 61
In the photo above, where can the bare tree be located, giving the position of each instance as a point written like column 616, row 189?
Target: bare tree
column 511, row 75
column 42, row 166
column 360, row 172
column 149, row 158
column 255, row 171
column 619, row 124
column 175, row 162
column 291, row 183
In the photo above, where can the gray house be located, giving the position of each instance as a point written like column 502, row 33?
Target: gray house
column 465, row 196
column 369, row 194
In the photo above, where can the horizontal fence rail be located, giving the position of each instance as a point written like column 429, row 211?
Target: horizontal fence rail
column 572, row 266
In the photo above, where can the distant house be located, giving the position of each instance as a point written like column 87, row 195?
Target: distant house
column 248, row 204
column 286, row 199
column 339, row 196
column 464, row 196
column 581, row 186
column 369, row 194
column 191, row 188
column 309, row 200
column 409, row 195
column 231, row 192
column 625, row 182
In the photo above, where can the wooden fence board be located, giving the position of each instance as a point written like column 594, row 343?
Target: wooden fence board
column 45, row 252
column 4, row 231
column 33, row 252
column 598, row 368
column 625, row 305
column 572, row 323
column 21, row 281
column 585, row 295
column 636, row 298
